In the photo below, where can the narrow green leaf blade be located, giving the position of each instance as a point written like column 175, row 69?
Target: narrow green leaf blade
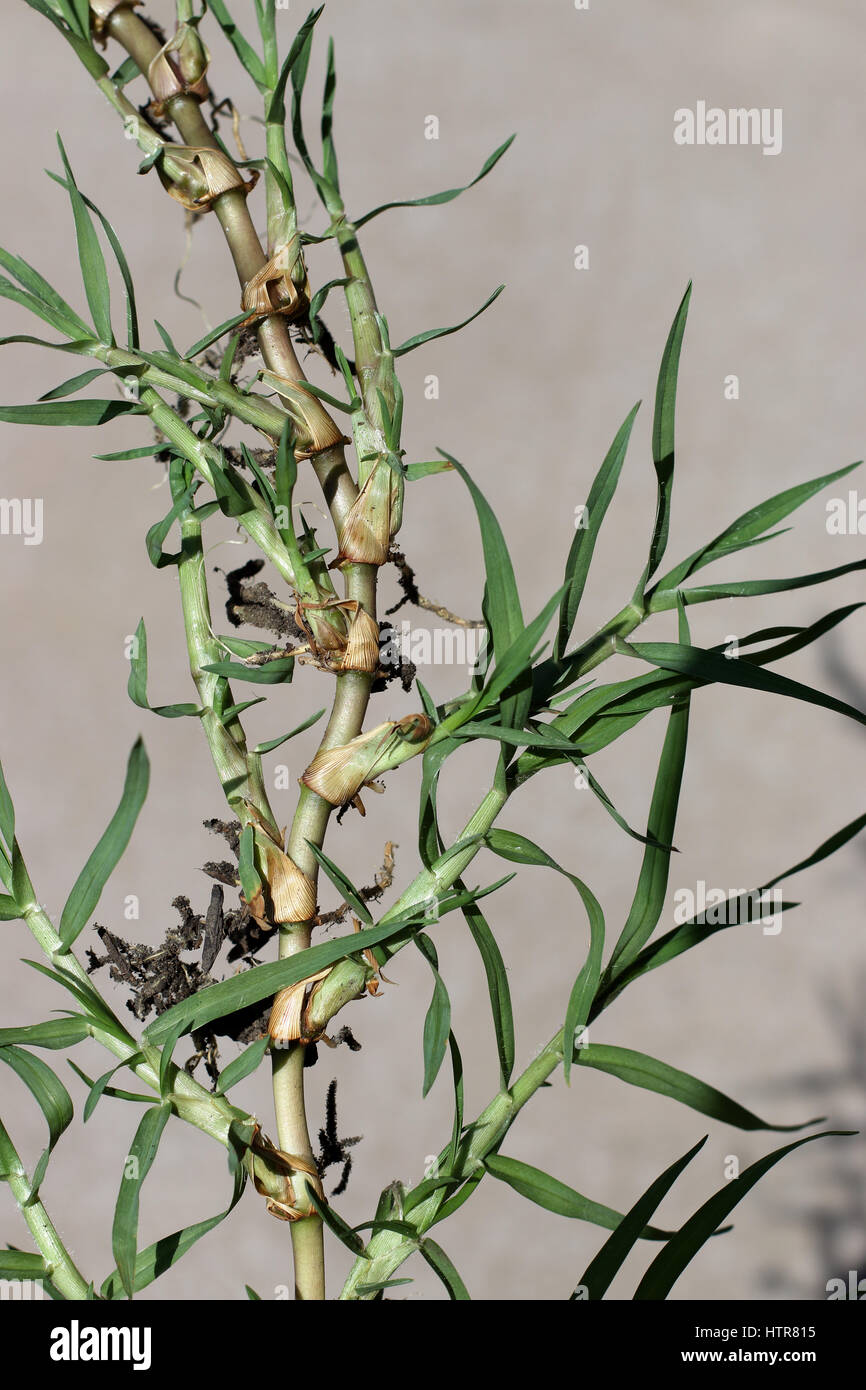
column 437, row 1023
column 582, row 547
column 435, row 199
column 637, row 1069
column 142, row 1152
column 91, row 259
column 555, row 1196
column 102, row 862
column 600, row 1272
column 663, row 438
column 442, row 1265
column 681, row 1249
column 432, row 333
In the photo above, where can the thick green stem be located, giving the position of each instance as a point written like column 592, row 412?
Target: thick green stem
column 387, row 1250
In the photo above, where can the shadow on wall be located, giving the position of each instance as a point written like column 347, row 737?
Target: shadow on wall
column 835, row 1223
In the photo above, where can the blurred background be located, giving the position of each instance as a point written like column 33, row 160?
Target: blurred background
column 529, row 398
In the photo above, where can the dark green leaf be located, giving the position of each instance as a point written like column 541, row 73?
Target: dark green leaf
column 748, row 528
column 601, row 1271
column 432, row 333
column 122, row 264
column 98, row 1088
column 437, row 1023
column 137, row 684
column 250, row 60
column 63, row 413
column 91, row 259
column 276, row 742
column 341, row 882
column 61, row 314
column 50, row 1095
column 215, row 334
column 646, row 908
column 75, row 383
column 709, row 667
column 124, row 1232
column 84, row 993
column 555, row 1196
column 55, row 1033
column 520, row 850
column 497, row 988
column 582, row 547
column 159, row 1257
column 102, row 862
column 437, row 198
column 681, row 1249
column 440, row 1263
column 335, row 1223
column 650, row 1074
column 329, row 153
column 663, row 438
column 242, row 1066
column 738, row 909
column 748, row 588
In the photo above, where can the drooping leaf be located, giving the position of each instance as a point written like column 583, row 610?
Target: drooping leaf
column 99, row 1088
column 102, row 862
column 520, row 850
column 555, row 1196
column 709, row 667
column 153, row 1261
column 637, row 1069
column 50, row 1095
column 340, row 1228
